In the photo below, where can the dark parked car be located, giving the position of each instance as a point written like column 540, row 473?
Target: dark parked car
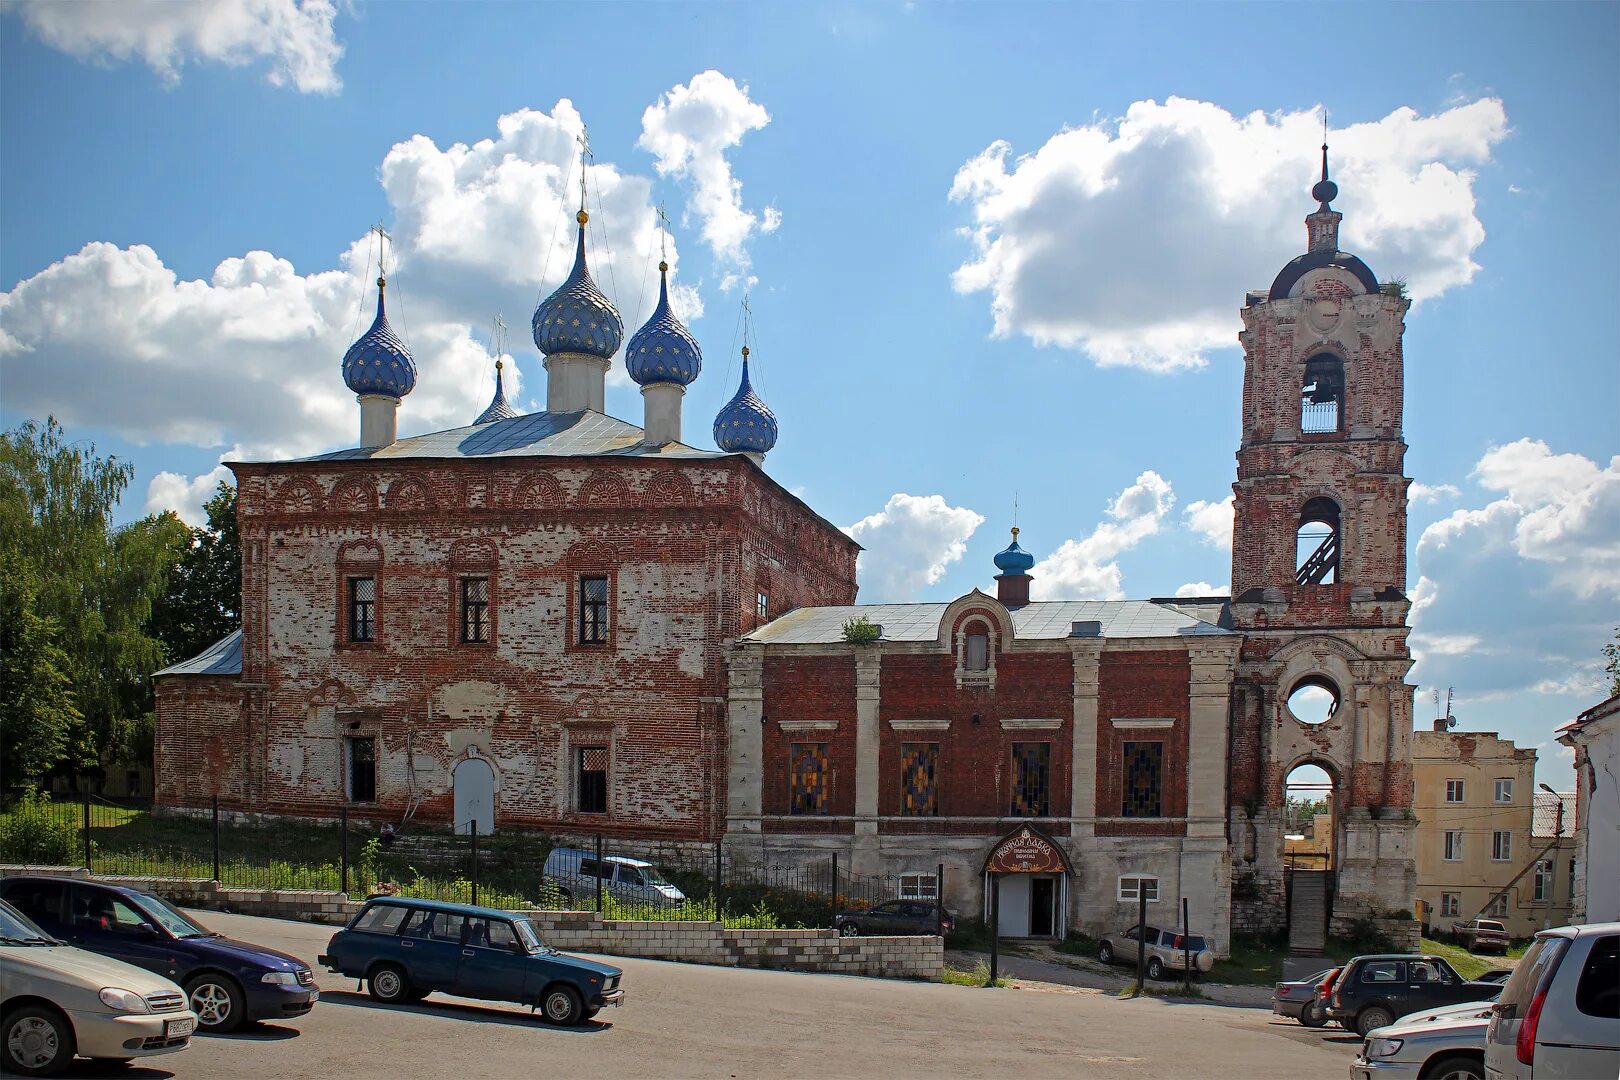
column 1299, row 999
column 227, row 982
column 893, row 918
column 1373, row 990
column 405, row 949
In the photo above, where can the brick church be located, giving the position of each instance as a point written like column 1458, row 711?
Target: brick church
column 564, row 621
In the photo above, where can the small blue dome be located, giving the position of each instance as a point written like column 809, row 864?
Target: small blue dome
column 1014, row 560
column 745, row 424
column 379, row 363
column 577, row 317
column 499, row 407
column 663, row 351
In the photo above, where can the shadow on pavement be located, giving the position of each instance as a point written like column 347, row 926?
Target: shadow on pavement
column 259, row 1032
column 476, row 1014
column 97, row 1070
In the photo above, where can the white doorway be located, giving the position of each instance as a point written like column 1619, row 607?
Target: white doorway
column 1012, row 914
column 1031, row 905
column 474, row 785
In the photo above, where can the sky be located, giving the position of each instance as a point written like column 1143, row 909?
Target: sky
column 995, row 256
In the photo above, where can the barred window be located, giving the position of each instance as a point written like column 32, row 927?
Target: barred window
column 1032, row 775
column 593, row 611
column 919, row 772
column 807, row 778
column 475, row 610
column 1143, row 775
column 592, row 784
column 362, row 609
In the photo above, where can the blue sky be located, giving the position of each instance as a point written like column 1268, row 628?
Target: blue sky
column 939, row 316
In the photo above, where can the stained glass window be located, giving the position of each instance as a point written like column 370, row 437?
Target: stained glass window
column 1032, row 772
column 1143, row 775
column 807, row 778
column 919, row 770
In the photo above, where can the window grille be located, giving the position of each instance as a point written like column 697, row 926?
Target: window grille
column 1031, row 789
column 1143, row 774
column 807, row 778
column 593, row 780
column 919, row 771
column 475, row 610
column 593, row 611
column 362, row 609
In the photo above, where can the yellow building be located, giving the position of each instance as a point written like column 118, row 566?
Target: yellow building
column 1478, row 832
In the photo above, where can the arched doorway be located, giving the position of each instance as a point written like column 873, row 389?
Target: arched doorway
column 474, row 787
column 1310, row 845
column 1026, row 883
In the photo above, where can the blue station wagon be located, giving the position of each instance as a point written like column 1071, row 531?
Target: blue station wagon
column 405, row 949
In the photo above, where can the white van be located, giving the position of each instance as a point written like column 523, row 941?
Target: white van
column 1559, row 1015
column 630, row 881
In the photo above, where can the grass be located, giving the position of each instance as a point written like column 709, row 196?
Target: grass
column 1167, row 990
column 1078, row 944
column 1467, row 964
column 979, row 976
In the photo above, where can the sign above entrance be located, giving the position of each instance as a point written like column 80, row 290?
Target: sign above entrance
column 1026, row 851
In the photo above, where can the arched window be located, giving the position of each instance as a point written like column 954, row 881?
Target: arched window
column 1316, row 543
column 1321, row 408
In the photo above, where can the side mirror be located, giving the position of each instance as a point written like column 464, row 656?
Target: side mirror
column 146, row 930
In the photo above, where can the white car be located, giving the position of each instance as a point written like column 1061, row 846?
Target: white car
column 1559, row 1015
column 61, row 1001
column 1444, row 1044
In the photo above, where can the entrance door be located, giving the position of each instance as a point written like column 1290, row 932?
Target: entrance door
column 1042, row 906
column 1013, row 917
column 474, row 785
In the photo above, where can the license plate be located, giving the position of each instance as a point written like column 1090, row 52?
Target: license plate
column 175, row 1028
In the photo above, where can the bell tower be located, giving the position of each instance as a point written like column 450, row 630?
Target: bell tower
column 1319, row 575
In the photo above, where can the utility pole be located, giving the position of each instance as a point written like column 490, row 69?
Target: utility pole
column 1552, row 882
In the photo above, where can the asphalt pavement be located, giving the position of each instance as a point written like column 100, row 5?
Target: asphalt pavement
column 681, row 1020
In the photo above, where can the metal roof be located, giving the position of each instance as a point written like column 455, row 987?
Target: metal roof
column 223, row 657
column 1544, row 818
column 583, row 433
column 1046, row 620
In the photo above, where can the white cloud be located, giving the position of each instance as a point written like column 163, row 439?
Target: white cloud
column 1211, row 520
column 1123, row 239
column 689, row 129
column 293, row 38
column 1516, row 597
column 1086, row 569
column 1202, row 588
column 1428, row 493
column 251, row 356
column 185, row 496
column 910, row 544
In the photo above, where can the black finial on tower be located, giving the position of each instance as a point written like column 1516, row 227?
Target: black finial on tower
column 1325, row 190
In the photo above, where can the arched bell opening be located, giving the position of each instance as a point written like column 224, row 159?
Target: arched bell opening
column 1317, row 544
column 1321, row 405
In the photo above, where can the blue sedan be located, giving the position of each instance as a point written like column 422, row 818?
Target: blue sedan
column 228, row 982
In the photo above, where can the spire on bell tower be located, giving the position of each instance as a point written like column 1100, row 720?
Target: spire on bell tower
column 1323, row 226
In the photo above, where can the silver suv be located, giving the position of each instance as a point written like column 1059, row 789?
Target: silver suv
column 629, row 881
column 1559, row 1014
column 1166, row 951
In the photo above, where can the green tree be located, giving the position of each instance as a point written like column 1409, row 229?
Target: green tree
column 204, row 599
column 96, row 582
column 37, row 713
column 1611, row 662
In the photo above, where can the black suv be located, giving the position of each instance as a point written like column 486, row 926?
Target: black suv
column 893, row 918
column 1373, row 990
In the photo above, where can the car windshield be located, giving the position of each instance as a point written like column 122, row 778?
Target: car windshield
column 15, row 929
column 652, row 876
column 528, row 935
column 168, row 916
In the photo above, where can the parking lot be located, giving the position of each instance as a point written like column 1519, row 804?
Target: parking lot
column 683, row 1020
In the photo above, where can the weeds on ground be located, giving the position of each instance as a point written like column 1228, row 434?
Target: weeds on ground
column 979, row 976
column 1166, row 990
column 1467, row 964
column 1078, row 944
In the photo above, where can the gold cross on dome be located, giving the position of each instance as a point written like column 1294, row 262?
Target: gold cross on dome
column 584, row 141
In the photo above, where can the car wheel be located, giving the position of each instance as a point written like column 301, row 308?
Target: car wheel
column 562, row 1006
column 849, row 929
column 1375, row 1017
column 388, row 982
column 1457, row 1067
column 1311, row 1016
column 1155, row 968
column 35, row 1041
column 1105, row 953
column 218, row 1003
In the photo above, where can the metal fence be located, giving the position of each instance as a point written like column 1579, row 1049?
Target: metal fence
column 620, row 876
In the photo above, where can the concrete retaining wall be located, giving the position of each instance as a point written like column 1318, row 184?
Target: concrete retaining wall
column 585, row 931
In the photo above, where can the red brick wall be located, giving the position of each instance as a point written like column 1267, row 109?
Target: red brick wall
column 809, row 688
column 1142, row 685
column 681, row 543
column 207, row 725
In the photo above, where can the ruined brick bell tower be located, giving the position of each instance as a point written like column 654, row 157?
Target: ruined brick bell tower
column 1319, row 584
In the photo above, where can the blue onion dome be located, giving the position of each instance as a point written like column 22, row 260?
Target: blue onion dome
column 663, row 351
column 499, row 407
column 577, row 317
column 1014, row 560
column 745, row 424
column 379, row 363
